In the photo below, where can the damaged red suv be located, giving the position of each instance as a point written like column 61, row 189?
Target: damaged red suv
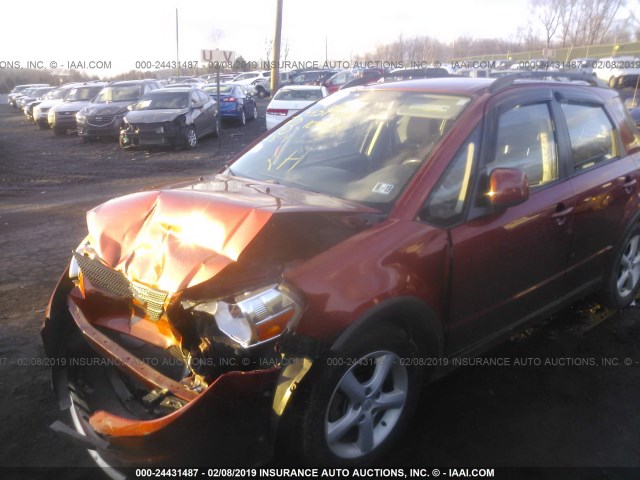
column 302, row 296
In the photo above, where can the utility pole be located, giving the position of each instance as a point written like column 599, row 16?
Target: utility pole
column 177, row 49
column 275, row 64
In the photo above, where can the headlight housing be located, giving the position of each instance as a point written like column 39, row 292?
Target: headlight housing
column 86, row 249
column 249, row 318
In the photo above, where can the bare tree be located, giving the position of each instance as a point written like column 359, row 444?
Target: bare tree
column 579, row 22
column 268, row 47
column 550, row 14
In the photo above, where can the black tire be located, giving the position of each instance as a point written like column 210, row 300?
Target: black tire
column 59, row 131
column 190, row 138
column 43, row 126
column 623, row 281
column 254, row 112
column 242, row 121
column 327, row 426
column 261, row 92
column 612, row 82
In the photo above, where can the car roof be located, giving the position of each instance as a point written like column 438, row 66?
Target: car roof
column 130, row 82
column 301, row 87
column 180, row 89
column 470, row 86
column 455, row 85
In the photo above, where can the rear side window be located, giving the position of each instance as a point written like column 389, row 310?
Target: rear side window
column 592, row 135
column 526, row 141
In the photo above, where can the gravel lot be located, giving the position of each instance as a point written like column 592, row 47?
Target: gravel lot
column 510, row 416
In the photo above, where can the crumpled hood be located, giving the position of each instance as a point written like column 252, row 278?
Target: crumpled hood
column 113, row 108
column 175, row 239
column 155, row 116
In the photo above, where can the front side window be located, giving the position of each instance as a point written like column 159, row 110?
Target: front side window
column 593, row 138
column 526, row 141
column 445, row 205
column 362, row 145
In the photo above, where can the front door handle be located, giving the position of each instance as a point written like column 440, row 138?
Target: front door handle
column 561, row 214
column 629, row 184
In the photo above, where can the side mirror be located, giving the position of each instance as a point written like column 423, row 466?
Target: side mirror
column 508, row 187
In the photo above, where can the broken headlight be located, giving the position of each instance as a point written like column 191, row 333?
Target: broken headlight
column 84, row 248
column 249, row 318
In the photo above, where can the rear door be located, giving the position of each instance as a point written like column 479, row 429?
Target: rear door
column 604, row 180
column 508, row 265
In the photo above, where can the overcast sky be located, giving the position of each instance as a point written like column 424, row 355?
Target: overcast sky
column 124, row 31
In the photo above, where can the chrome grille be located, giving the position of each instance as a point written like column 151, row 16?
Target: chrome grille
column 104, row 277
column 154, row 299
column 118, row 285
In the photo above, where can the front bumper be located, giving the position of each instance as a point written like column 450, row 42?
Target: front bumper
column 153, row 135
column 99, row 126
column 63, row 120
column 229, row 423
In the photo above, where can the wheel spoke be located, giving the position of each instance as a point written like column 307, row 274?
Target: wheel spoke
column 336, row 430
column 625, row 262
column 633, row 247
column 633, row 278
column 391, row 400
column 622, row 279
column 365, row 434
column 352, row 388
column 384, row 365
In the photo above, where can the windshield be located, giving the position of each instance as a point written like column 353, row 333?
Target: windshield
column 310, row 95
column 362, row 145
column 82, row 94
column 163, row 100
column 121, row 93
column 59, row 93
column 41, row 91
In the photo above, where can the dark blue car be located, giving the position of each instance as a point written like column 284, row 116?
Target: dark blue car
column 235, row 102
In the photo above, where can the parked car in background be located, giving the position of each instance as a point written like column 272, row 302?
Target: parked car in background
column 18, row 89
column 473, row 72
column 258, row 80
column 41, row 111
column 335, row 82
column 103, row 116
column 299, row 299
column 236, row 103
column 618, row 72
column 290, row 99
column 170, row 116
column 415, row 73
column 178, row 79
column 29, row 95
column 583, row 65
column 62, row 116
column 502, row 63
column 28, row 102
column 311, row 77
column 196, row 82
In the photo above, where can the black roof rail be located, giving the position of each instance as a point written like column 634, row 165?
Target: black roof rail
column 507, row 80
